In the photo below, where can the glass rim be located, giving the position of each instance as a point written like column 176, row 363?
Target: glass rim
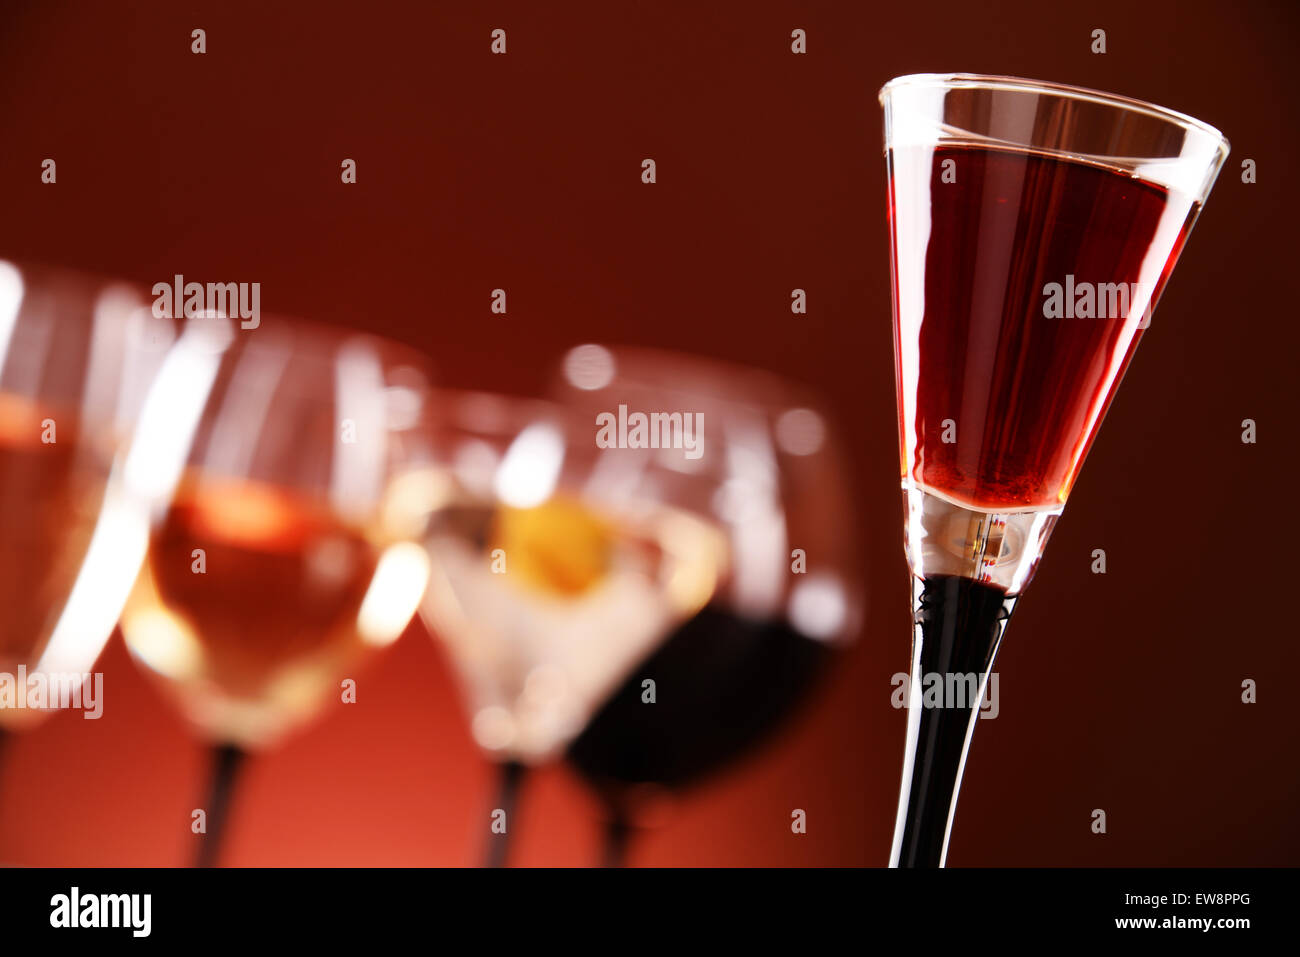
column 1062, row 90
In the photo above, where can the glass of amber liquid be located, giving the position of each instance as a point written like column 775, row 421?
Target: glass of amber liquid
column 280, row 551
column 77, row 354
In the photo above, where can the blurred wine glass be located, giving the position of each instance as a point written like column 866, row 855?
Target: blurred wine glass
column 555, row 570
column 280, row 549
column 77, row 355
column 767, row 474
column 650, row 613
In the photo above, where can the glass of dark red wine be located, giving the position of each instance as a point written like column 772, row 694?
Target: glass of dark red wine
column 1033, row 229
column 283, row 542
column 767, row 474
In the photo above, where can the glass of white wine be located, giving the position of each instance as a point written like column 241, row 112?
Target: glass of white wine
column 556, row 567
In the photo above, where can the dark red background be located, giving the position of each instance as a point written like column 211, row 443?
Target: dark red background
column 522, row 171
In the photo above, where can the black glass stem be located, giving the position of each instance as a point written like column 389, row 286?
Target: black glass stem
column 619, row 831
column 510, row 775
column 958, row 625
column 226, row 761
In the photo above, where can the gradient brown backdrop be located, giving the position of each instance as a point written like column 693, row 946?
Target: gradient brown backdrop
column 522, row 171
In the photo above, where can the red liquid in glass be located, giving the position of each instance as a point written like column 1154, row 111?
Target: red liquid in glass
column 972, row 258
